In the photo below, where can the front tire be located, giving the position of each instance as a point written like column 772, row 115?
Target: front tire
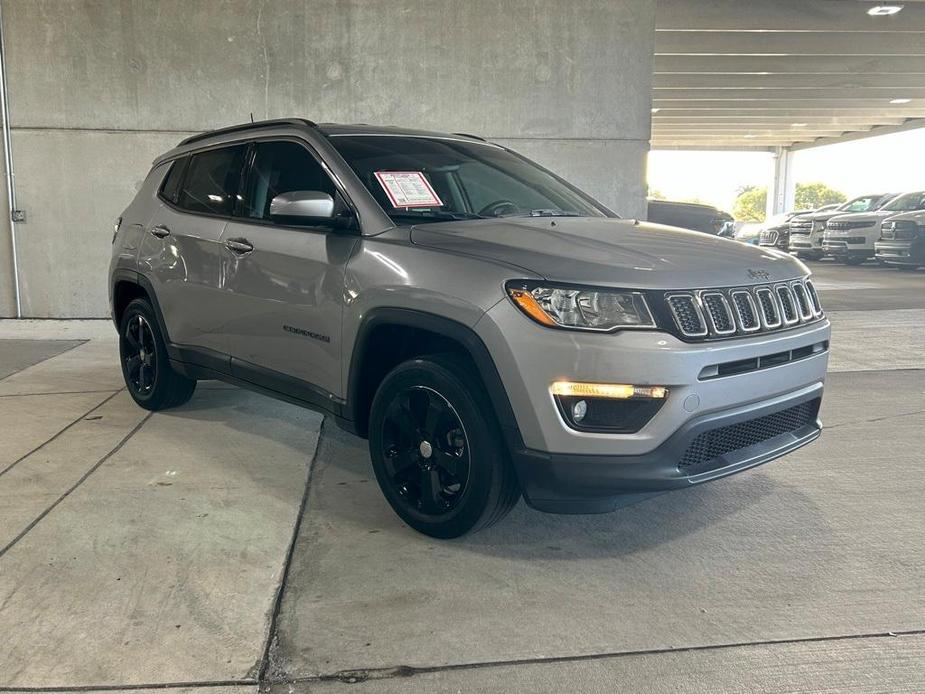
column 437, row 453
column 854, row 260
column 149, row 378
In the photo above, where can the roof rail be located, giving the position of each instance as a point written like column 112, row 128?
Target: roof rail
column 474, row 137
column 247, row 126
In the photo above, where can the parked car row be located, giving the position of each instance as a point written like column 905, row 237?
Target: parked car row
column 885, row 226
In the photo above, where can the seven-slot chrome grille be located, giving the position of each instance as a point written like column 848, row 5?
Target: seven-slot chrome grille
column 708, row 314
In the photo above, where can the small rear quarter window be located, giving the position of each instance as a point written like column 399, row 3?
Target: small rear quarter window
column 170, row 189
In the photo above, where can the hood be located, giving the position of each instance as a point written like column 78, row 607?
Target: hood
column 918, row 216
column 611, row 252
column 872, row 217
column 822, row 216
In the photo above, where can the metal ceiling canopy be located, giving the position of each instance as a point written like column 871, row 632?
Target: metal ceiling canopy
column 758, row 75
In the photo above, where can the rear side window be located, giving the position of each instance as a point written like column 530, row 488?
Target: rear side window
column 282, row 167
column 212, row 180
column 171, row 187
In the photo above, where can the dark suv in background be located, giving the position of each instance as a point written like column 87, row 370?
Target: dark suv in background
column 691, row 215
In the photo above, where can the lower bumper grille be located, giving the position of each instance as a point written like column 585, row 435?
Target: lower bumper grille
column 701, row 455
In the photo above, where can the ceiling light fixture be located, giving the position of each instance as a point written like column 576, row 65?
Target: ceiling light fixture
column 656, row 110
column 884, row 10
column 799, row 125
column 900, row 101
column 749, row 136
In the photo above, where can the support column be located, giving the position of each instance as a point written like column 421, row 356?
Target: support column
column 782, row 191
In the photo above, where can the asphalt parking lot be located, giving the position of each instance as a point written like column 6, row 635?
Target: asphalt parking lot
column 239, row 543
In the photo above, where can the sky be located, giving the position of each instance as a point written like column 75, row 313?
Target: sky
column 887, row 163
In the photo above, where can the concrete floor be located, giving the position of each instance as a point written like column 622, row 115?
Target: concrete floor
column 238, row 543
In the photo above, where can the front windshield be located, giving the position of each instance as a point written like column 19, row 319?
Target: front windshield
column 906, row 203
column 862, row 204
column 429, row 179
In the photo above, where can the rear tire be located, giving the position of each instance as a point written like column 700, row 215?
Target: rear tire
column 436, row 450
column 149, row 378
column 854, row 260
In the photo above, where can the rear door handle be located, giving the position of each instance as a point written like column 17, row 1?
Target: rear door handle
column 240, row 246
column 159, row 231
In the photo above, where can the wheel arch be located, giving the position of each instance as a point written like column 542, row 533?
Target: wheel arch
column 388, row 336
column 128, row 285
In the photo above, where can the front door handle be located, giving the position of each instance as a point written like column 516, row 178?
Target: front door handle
column 240, row 246
column 160, row 231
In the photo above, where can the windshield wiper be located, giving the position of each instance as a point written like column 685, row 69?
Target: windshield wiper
column 439, row 214
column 545, row 212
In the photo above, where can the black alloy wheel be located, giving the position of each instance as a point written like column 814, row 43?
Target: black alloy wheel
column 437, row 449
column 141, row 357
column 425, row 451
column 149, row 377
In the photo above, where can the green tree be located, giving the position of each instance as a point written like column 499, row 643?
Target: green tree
column 750, row 205
column 809, row 196
column 656, row 194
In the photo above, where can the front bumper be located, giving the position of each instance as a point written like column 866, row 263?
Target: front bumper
column 782, row 244
column 598, row 484
column 851, row 243
column 900, row 252
column 810, row 244
column 565, row 470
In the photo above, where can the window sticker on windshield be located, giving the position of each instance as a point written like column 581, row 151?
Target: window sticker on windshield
column 408, row 189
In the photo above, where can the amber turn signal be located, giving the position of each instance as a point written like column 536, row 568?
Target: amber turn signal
column 617, row 391
column 528, row 305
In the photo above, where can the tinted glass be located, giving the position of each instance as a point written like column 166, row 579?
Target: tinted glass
column 171, row 187
column 212, row 180
column 863, row 204
column 471, row 180
column 906, row 203
column 282, row 167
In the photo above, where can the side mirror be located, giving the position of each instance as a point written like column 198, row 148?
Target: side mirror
column 303, row 203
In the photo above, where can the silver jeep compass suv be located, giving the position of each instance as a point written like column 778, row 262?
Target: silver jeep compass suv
column 491, row 329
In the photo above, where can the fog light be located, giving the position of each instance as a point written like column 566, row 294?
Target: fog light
column 607, row 407
column 579, row 410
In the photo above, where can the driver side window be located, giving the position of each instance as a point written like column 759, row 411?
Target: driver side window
column 282, row 167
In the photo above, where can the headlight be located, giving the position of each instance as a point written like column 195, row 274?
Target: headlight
column 580, row 308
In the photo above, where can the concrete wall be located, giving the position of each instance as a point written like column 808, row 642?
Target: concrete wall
column 97, row 88
column 7, row 288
